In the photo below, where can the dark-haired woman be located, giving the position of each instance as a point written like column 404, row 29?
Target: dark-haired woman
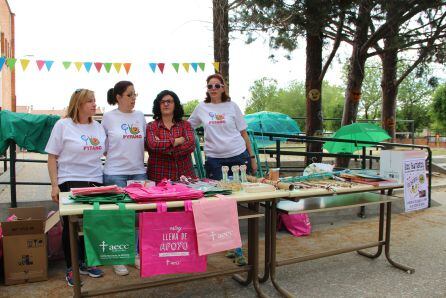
column 125, row 130
column 170, row 140
column 226, row 142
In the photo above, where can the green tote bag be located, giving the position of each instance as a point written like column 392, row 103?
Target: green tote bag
column 109, row 236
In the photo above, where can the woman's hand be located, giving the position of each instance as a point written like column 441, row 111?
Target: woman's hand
column 254, row 166
column 55, row 193
column 179, row 141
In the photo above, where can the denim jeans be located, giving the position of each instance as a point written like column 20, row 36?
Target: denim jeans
column 213, row 165
column 121, row 180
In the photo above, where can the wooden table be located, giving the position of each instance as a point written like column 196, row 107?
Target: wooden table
column 75, row 211
column 321, row 200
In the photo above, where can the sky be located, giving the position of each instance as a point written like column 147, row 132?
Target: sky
column 138, row 32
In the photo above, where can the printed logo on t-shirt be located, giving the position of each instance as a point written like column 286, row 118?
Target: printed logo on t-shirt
column 216, row 118
column 131, row 131
column 91, row 143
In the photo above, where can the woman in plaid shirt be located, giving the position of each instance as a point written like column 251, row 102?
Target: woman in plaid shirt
column 170, row 140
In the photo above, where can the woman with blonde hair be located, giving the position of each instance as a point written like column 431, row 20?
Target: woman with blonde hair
column 75, row 148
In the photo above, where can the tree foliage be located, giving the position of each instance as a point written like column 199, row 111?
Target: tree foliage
column 439, row 105
column 190, row 106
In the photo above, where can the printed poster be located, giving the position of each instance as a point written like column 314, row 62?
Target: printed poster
column 415, row 184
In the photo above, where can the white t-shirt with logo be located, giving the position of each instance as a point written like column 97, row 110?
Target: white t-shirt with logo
column 125, row 142
column 79, row 148
column 222, row 124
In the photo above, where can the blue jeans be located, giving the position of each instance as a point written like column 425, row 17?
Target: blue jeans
column 213, row 165
column 121, row 180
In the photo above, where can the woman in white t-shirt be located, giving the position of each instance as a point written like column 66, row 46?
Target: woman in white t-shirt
column 125, row 130
column 75, row 148
column 226, row 142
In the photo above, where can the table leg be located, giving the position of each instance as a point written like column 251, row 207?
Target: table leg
column 387, row 242
column 74, row 247
column 380, row 236
column 265, row 276
column 273, row 264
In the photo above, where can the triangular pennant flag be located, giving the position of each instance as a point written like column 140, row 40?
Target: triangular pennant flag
column 216, row 66
column 176, row 66
column 152, row 66
column 161, row 67
column 40, row 64
column 66, row 64
column 117, row 66
column 194, row 66
column 11, row 62
column 202, row 66
column 186, row 66
column 24, row 63
column 107, row 66
column 78, row 65
column 87, row 66
column 127, row 67
column 2, row 62
column 48, row 64
column 98, row 66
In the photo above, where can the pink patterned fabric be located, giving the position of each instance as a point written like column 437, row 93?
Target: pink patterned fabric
column 96, row 190
column 164, row 191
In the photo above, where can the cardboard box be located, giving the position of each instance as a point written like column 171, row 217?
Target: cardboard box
column 391, row 162
column 25, row 245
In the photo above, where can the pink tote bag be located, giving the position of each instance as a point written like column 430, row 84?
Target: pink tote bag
column 296, row 224
column 168, row 242
column 217, row 225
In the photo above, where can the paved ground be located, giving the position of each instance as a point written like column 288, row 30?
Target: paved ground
column 418, row 240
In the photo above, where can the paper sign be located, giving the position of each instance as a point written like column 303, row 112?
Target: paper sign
column 415, row 184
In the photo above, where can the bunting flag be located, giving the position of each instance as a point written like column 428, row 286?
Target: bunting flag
column 152, row 66
column 78, row 65
column 176, row 66
column 127, row 67
column 2, row 62
column 161, row 67
column 24, row 63
column 11, row 62
column 194, row 66
column 66, row 64
column 87, row 66
column 40, row 64
column 117, row 66
column 48, row 64
column 216, row 66
column 98, row 66
column 107, row 66
column 186, row 66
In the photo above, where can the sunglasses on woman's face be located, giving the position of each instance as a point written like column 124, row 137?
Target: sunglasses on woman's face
column 214, row 86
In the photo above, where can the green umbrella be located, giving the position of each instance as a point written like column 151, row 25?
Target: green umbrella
column 358, row 132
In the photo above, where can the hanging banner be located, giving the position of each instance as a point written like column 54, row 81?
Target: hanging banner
column 152, row 66
column 87, row 66
column 107, row 67
column 98, row 66
column 24, row 63
column 186, row 66
column 415, row 184
column 48, row 64
column 40, row 64
column 2, row 62
column 66, row 64
column 127, row 67
column 176, row 66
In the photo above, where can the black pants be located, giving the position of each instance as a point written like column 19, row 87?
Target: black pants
column 67, row 186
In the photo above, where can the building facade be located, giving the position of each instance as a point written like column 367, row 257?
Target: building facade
column 7, row 76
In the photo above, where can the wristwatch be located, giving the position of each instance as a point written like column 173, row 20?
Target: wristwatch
column 253, row 156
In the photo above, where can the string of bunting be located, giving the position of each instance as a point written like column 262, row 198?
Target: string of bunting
column 106, row 66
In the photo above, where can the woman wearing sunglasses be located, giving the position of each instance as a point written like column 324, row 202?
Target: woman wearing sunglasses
column 226, row 142
column 170, row 140
column 125, row 129
column 75, row 148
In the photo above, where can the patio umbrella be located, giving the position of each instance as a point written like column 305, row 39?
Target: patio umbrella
column 357, row 132
column 270, row 122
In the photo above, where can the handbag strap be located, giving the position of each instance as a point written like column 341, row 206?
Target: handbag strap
column 96, row 206
column 188, row 205
column 161, row 207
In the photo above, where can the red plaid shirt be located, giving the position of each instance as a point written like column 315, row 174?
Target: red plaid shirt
column 165, row 160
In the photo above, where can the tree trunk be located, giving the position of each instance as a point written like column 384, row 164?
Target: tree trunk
column 389, row 84
column 221, row 36
column 356, row 71
column 313, row 89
